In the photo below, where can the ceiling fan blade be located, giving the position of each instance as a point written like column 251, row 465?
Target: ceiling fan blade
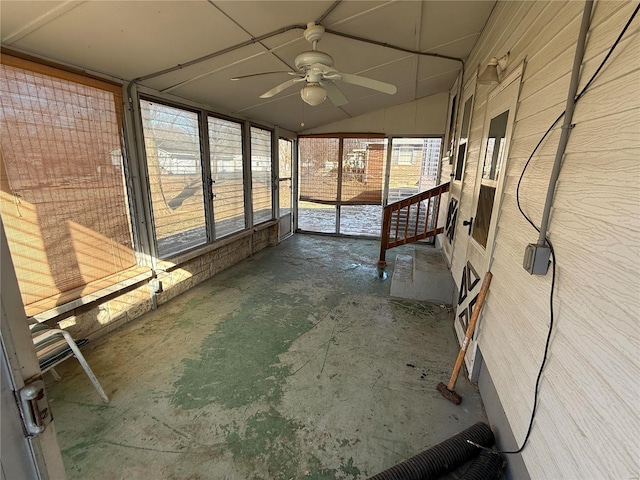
column 263, row 73
column 281, row 87
column 369, row 83
column 334, row 93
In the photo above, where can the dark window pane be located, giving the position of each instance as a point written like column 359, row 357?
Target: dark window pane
column 483, row 214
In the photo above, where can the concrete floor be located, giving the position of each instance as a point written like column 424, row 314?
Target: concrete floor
column 294, row 364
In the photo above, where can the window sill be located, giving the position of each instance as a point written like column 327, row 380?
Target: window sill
column 52, row 307
column 175, row 261
column 49, row 308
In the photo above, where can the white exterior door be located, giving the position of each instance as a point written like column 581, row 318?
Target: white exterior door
column 487, row 197
column 457, row 169
column 286, row 164
column 34, row 455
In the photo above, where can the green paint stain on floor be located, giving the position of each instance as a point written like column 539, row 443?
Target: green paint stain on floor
column 79, row 451
column 350, row 469
column 263, row 446
column 238, row 363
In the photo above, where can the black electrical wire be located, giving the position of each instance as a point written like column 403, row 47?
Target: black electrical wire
column 548, row 242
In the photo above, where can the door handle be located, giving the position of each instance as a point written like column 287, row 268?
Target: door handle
column 468, row 223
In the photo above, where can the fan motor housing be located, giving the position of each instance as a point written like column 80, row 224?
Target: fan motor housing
column 306, row 59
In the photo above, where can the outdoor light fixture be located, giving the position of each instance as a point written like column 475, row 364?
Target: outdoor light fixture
column 313, row 94
column 490, row 76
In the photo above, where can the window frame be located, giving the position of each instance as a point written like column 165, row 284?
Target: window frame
column 204, row 169
column 146, row 221
column 249, row 167
column 209, row 183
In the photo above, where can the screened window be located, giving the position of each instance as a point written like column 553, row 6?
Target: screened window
column 172, row 144
column 63, row 196
column 464, row 138
column 261, row 175
column 407, row 178
column 318, row 165
column 363, row 161
column 491, row 169
column 495, row 147
column 358, row 163
column 341, row 179
column 227, row 174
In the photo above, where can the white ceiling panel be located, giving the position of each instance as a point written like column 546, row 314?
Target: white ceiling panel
column 261, row 17
column 19, row 18
column 445, row 22
column 433, row 67
column 243, row 61
column 349, row 56
column 378, row 101
column 129, row 39
column 394, row 23
column 431, row 86
column 459, row 48
column 349, row 10
column 218, row 88
column 401, row 72
column 289, row 112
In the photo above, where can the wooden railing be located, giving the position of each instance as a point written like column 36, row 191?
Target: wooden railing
column 411, row 219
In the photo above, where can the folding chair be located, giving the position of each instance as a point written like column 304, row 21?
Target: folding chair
column 53, row 346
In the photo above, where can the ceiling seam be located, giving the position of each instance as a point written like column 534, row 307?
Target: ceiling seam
column 416, row 46
column 365, row 12
column 329, row 10
column 249, row 33
column 394, row 47
column 459, row 39
column 42, row 20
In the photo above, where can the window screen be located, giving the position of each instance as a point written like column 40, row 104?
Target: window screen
column 225, row 145
column 363, row 161
column 172, row 143
column 414, row 166
column 64, row 204
column 318, row 164
column 261, row 174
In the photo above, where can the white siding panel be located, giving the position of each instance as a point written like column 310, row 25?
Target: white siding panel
column 588, row 417
column 529, row 131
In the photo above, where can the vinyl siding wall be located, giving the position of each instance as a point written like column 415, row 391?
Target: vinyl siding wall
column 588, row 414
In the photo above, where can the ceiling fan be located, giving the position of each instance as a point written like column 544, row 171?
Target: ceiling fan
column 315, row 68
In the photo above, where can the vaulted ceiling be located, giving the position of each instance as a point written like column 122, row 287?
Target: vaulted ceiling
column 141, row 39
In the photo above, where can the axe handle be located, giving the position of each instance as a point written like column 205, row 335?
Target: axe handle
column 470, row 329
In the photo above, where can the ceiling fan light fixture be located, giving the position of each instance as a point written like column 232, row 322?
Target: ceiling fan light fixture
column 313, row 94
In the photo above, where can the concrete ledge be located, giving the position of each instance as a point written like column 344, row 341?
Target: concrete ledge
column 102, row 315
column 423, row 276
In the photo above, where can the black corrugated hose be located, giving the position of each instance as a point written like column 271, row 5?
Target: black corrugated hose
column 486, row 466
column 442, row 458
